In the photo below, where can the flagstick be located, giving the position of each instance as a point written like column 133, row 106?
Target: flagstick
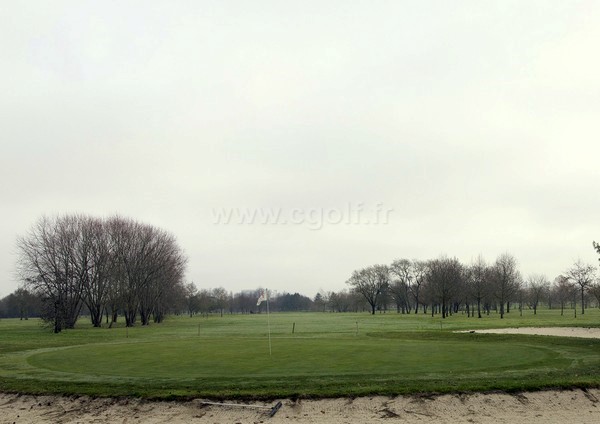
column 269, row 323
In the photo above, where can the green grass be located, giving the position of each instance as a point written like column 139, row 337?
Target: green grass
column 327, row 355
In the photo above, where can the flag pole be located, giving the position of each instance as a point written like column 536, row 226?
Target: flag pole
column 268, row 322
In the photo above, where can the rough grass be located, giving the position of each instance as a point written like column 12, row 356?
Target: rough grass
column 327, row 355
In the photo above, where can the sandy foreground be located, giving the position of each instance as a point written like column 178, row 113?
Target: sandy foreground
column 574, row 406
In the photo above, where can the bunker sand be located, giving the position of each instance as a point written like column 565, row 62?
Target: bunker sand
column 590, row 333
column 580, row 406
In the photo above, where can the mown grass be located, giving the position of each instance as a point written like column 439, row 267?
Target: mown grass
column 326, row 355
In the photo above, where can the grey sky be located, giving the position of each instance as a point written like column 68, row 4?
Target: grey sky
column 477, row 122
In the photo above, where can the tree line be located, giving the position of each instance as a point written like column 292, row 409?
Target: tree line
column 220, row 301
column 411, row 286
column 445, row 286
column 183, row 299
column 107, row 266
column 76, row 264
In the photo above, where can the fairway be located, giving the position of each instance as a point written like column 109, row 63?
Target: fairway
column 325, row 355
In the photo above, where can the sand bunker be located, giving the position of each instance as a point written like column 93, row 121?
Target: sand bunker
column 539, row 407
column 590, row 333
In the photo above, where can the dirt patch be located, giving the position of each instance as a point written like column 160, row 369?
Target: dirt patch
column 590, row 333
column 538, row 407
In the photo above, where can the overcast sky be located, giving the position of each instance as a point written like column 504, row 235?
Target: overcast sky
column 474, row 126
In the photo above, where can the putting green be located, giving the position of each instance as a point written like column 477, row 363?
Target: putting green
column 192, row 358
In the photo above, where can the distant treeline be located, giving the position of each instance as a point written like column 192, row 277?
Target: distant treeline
column 187, row 299
column 445, row 286
column 77, row 265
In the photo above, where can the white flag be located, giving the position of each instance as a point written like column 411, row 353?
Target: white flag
column 262, row 298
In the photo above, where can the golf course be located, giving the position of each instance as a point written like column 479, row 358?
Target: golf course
column 309, row 355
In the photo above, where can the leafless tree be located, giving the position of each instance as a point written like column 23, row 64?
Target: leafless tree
column 370, row 283
column 466, row 292
column 506, row 280
column 205, row 301
column 563, row 290
column 220, row 298
column 339, row 302
column 444, row 279
column 46, row 264
column 582, row 276
column 190, row 292
column 419, row 275
column 537, row 287
column 148, row 262
column 92, row 263
column 399, row 288
column 163, row 272
column 479, row 282
column 594, row 290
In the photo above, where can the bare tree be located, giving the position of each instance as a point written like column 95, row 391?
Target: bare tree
column 163, row 272
column 419, row 274
column 220, row 298
column 338, row 302
column 398, row 291
column 46, row 265
column 466, row 293
column 190, row 292
column 444, row 279
column 370, row 283
column 582, row 275
column 125, row 244
column 479, row 282
column 506, row 280
column 93, row 266
column 563, row 291
column 594, row 290
column 148, row 262
column 399, row 288
column 205, row 301
column 538, row 286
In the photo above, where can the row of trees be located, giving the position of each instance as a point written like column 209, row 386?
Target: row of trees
column 183, row 299
column 107, row 266
column 188, row 299
column 445, row 286
column 218, row 300
column 20, row 304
